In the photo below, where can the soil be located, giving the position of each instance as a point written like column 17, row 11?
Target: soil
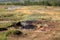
column 41, row 33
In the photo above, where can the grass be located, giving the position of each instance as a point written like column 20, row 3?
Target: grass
column 13, row 16
column 3, row 36
column 5, row 24
column 16, row 16
column 37, row 17
column 7, row 15
column 14, row 32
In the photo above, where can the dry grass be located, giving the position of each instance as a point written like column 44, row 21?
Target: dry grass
column 30, row 13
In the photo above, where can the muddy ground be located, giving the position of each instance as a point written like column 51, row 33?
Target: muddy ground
column 42, row 30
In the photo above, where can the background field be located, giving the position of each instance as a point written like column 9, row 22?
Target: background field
column 10, row 14
column 14, row 13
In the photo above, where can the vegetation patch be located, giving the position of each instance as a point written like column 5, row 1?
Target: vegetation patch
column 29, row 2
column 14, row 32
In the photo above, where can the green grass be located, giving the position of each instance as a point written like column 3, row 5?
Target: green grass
column 37, row 17
column 3, row 36
column 5, row 24
column 13, row 32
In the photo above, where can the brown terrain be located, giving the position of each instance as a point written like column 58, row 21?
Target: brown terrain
column 51, row 11
column 45, row 30
column 42, row 29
